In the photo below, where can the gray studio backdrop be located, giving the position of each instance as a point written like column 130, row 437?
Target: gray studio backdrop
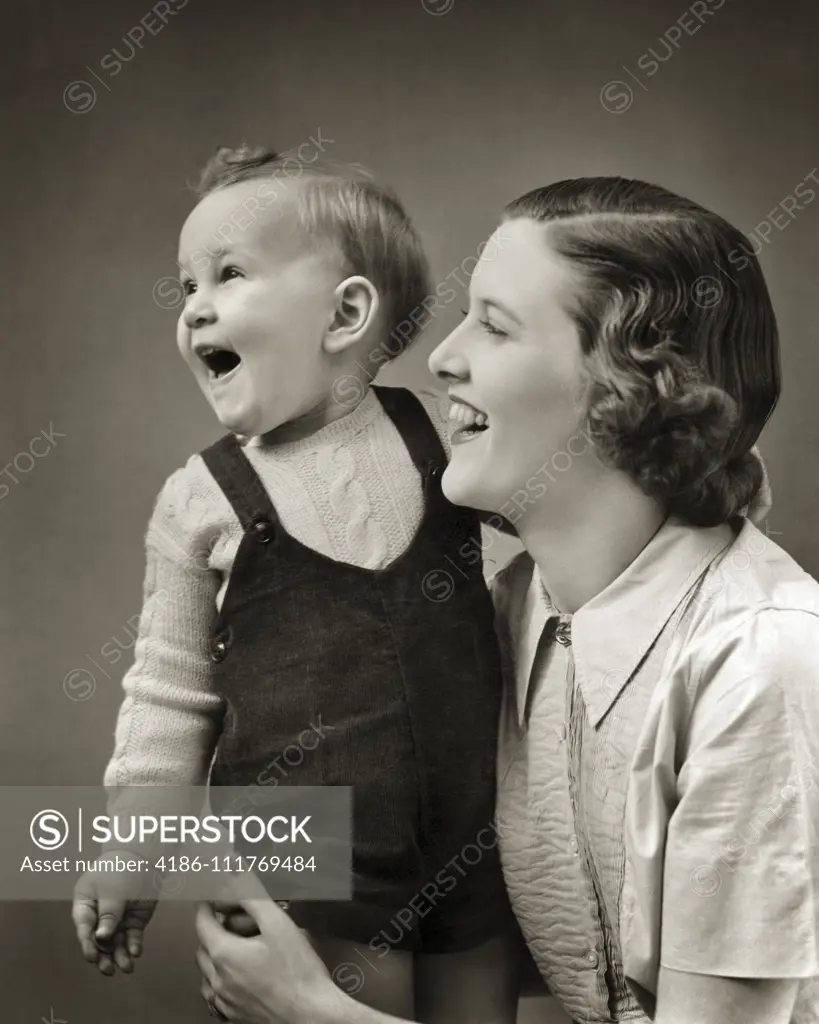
column 109, row 109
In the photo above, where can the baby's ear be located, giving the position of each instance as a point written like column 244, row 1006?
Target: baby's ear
column 356, row 308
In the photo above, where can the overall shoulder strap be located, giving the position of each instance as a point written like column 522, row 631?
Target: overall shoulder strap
column 232, row 471
column 415, row 427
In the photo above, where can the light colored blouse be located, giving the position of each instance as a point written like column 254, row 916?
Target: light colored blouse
column 658, row 769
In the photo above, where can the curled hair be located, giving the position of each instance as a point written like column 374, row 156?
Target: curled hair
column 681, row 347
column 343, row 208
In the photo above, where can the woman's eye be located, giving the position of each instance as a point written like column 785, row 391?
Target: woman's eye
column 464, row 312
column 490, row 328
column 188, row 287
column 229, row 273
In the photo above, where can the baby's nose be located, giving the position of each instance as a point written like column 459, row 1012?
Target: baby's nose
column 198, row 312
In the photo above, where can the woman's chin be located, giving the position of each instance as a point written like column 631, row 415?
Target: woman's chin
column 452, row 485
column 463, row 489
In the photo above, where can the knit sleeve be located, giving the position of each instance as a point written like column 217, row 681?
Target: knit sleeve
column 169, row 720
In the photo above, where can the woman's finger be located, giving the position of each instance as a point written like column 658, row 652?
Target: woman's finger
column 206, row 968
column 264, row 911
column 233, row 918
column 241, row 923
column 224, row 906
column 207, row 927
column 212, row 1000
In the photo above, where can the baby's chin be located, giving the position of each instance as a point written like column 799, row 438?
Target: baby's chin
column 242, row 426
column 243, row 422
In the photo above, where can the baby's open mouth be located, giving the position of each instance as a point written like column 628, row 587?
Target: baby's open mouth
column 466, row 420
column 220, row 361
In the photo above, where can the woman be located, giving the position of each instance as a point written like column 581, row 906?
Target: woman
column 657, row 813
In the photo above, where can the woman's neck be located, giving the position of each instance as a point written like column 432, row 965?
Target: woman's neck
column 595, row 541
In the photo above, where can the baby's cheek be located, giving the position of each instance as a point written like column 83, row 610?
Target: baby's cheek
column 182, row 337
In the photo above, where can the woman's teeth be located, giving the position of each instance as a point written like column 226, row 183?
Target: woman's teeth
column 470, row 418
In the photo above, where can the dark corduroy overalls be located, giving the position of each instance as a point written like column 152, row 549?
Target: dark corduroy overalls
column 401, row 667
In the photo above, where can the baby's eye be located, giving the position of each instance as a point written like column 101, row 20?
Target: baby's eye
column 188, row 287
column 229, row 273
column 490, row 328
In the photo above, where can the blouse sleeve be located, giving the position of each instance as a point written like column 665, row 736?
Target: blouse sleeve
column 740, row 885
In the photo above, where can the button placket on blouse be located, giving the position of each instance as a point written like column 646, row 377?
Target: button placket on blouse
column 563, row 636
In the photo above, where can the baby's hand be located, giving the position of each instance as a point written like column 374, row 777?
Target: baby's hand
column 109, row 924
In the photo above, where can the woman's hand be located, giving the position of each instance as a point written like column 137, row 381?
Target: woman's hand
column 273, row 978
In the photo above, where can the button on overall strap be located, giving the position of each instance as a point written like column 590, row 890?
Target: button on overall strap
column 415, row 427
column 232, row 471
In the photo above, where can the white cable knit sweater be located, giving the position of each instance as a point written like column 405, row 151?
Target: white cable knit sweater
column 349, row 491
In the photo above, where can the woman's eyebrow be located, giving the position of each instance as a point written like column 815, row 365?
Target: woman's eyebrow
column 503, row 309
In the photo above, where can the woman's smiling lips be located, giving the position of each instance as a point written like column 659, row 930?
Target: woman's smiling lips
column 470, row 421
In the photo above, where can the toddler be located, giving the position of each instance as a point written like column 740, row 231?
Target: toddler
column 297, row 568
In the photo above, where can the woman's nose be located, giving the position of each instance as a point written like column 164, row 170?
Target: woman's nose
column 199, row 311
column 447, row 361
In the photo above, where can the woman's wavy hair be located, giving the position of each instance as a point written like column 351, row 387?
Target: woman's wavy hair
column 681, row 348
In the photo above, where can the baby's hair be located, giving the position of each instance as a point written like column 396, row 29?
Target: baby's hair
column 343, row 208
column 681, row 347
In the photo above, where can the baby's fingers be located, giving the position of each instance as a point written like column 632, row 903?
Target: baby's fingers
column 121, row 956
column 106, row 965
column 109, row 916
column 84, row 915
column 133, row 941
